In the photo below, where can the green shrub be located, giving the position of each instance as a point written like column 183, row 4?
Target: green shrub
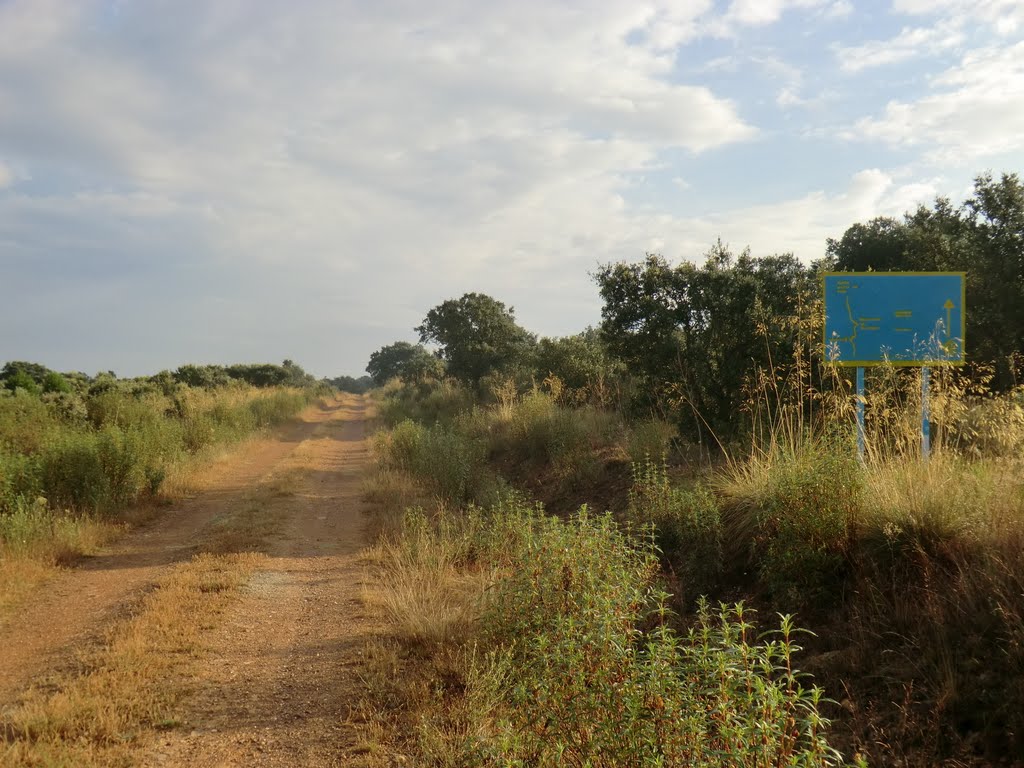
column 450, row 463
column 19, row 477
column 124, row 459
column 54, row 382
column 542, row 432
column 277, row 407
column 649, row 440
column 68, row 408
column 562, row 673
column 197, row 431
column 796, row 510
column 25, row 422
column 19, row 379
column 71, row 471
column 686, row 523
column 428, row 402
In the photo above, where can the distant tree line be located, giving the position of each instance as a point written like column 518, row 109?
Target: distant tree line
column 686, row 339
column 35, row 378
column 356, row 386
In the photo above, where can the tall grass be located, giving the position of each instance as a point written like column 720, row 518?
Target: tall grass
column 686, row 525
column 913, row 566
column 558, row 649
column 71, row 463
column 911, row 570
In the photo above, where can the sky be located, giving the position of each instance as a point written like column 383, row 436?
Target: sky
column 219, row 181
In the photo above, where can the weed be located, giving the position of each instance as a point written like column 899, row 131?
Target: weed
column 649, row 440
column 686, row 523
column 534, row 629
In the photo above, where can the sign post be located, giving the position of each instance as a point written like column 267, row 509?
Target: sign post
column 926, row 426
column 894, row 318
column 860, row 412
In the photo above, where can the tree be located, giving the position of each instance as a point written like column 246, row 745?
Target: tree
column 477, row 335
column 260, row 374
column 880, row 246
column 296, row 375
column 54, row 382
column 983, row 237
column 581, row 362
column 696, row 334
column 19, row 379
column 209, row 376
column 409, row 362
column 18, row 374
column 351, row 384
column 995, row 281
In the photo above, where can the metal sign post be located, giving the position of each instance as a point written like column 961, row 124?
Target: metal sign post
column 860, row 412
column 926, row 427
column 894, row 318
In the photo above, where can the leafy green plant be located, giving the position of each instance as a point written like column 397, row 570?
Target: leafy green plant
column 649, row 440
column 686, row 523
column 563, row 672
column 445, row 459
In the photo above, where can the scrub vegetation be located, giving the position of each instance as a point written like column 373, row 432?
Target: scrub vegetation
column 81, row 456
column 592, row 549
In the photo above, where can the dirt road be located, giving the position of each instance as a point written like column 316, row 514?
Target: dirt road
column 278, row 671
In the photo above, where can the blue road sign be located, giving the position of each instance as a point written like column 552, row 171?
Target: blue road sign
column 900, row 318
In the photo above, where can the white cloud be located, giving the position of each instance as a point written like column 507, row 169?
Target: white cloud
column 909, row 43
column 6, row 176
column 762, row 12
column 395, row 153
column 838, row 10
column 801, row 225
column 976, row 111
column 789, row 97
column 1004, row 16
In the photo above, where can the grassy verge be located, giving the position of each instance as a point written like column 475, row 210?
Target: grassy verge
column 908, row 572
column 72, row 478
column 520, row 638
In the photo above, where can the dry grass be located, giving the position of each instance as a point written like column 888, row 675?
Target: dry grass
column 390, row 492
column 130, row 688
column 427, row 599
column 429, row 603
column 104, row 716
column 36, row 543
column 196, row 473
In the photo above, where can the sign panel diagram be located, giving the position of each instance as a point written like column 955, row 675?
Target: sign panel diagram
column 900, row 318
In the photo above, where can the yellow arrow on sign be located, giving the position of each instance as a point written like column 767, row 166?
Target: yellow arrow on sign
column 949, row 317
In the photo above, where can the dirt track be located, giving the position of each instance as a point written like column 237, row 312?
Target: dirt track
column 278, row 673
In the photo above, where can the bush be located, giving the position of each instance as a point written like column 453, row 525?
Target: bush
column 25, row 422
column 19, row 478
column 649, row 440
column 71, row 472
column 562, row 673
column 686, row 523
column 429, row 402
column 447, row 461
column 795, row 510
column 54, row 382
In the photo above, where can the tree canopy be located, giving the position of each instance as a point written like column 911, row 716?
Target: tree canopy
column 476, row 335
column 694, row 334
column 409, row 362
